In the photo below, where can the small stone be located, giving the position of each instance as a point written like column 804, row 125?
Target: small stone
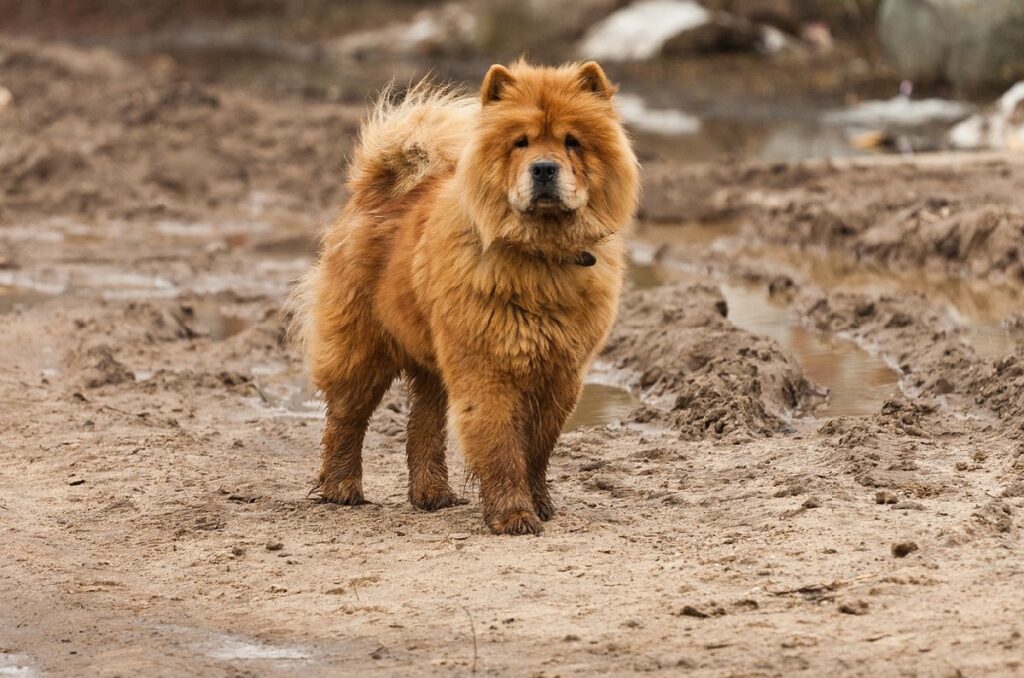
column 811, row 502
column 857, row 607
column 903, row 549
column 571, row 638
column 76, row 481
column 865, row 309
column 237, row 551
column 691, row 611
column 275, row 546
column 885, row 497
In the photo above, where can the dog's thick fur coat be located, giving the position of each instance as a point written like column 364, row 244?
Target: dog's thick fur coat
column 454, row 267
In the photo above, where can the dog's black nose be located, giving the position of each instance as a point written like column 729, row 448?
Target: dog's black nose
column 544, row 171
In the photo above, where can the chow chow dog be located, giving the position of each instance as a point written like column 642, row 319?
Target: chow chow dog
column 481, row 255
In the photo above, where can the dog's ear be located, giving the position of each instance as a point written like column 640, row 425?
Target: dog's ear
column 593, row 79
column 497, row 79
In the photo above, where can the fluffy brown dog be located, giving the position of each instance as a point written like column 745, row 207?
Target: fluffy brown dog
column 481, row 254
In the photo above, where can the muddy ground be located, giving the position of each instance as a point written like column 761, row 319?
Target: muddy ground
column 805, row 453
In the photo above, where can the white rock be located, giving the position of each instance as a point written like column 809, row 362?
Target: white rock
column 668, row 121
column 900, row 110
column 639, row 30
column 1000, row 128
column 450, row 28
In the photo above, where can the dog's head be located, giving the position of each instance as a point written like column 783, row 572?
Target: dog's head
column 550, row 168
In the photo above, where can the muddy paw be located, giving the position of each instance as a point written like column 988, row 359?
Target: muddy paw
column 347, row 492
column 516, row 522
column 544, row 508
column 432, row 500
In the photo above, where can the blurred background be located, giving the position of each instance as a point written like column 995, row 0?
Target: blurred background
column 764, row 79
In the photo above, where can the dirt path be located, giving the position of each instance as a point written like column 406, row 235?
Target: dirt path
column 156, row 443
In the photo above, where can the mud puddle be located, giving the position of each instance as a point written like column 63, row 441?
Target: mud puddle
column 15, row 665
column 215, row 318
column 858, row 382
column 13, row 299
column 600, row 403
column 782, row 134
column 982, row 308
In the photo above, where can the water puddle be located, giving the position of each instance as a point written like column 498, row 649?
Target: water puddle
column 982, row 308
column 214, row 318
column 13, row 299
column 601, row 404
column 858, row 382
column 15, row 665
column 230, row 649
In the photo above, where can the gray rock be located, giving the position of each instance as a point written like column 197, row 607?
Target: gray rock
column 971, row 43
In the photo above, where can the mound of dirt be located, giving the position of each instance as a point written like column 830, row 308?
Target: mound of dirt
column 711, row 379
column 966, row 219
column 128, row 142
column 927, row 347
column 1000, row 388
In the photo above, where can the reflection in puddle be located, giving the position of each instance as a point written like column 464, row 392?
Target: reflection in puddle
column 231, row 649
column 981, row 307
column 601, row 404
column 15, row 665
column 213, row 319
column 18, row 298
column 858, row 382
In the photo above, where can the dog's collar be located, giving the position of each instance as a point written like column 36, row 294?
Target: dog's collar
column 583, row 258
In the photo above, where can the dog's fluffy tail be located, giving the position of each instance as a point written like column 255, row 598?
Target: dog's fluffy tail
column 408, row 139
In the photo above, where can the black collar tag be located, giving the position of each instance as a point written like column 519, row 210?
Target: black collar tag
column 585, row 259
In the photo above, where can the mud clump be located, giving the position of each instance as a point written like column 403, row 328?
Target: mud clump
column 1000, row 388
column 98, row 367
column 928, row 348
column 966, row 219
column 142, row 153
column 709, row 378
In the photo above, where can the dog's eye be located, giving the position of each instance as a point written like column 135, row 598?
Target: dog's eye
column 522, row 142
column 571, row 142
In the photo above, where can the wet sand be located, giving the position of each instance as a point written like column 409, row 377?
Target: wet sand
column 816, row 366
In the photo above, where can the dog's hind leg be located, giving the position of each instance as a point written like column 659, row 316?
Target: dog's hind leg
column 350, row 403
column 425, row 444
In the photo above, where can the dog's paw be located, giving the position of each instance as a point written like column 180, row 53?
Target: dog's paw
column 432, row 500
column 515, row 522
column 544, row 508
column 346, row 492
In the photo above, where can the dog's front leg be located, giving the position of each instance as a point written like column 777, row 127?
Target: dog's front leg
column 547, row 411
column 487, row 414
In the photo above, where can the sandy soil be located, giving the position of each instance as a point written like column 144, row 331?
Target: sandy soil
column 157, row 444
